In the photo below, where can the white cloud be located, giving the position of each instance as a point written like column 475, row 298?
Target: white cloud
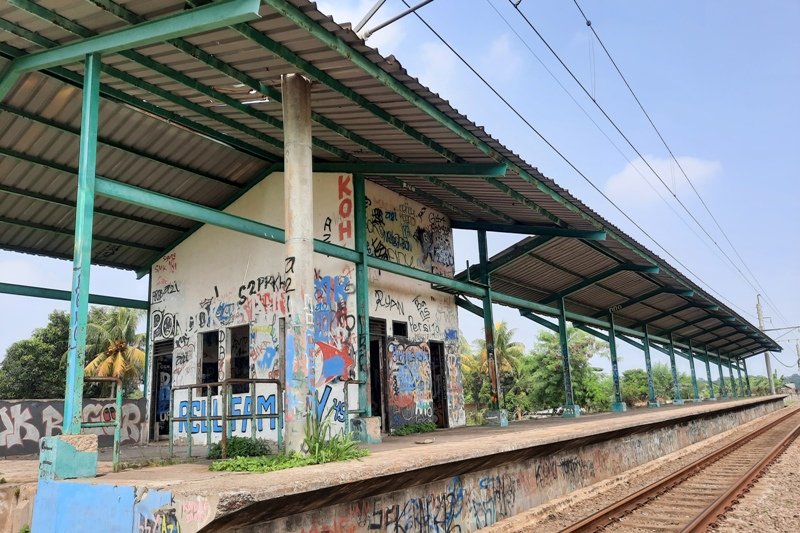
column 439, row 71
column 352, row 11
column 503, row 59
column 629, row 187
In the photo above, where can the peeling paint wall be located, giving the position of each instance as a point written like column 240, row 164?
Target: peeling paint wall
column 219, row 280
column 475, row 500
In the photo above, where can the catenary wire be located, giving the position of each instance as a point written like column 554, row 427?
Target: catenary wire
column 675, row 159
column 564, row 157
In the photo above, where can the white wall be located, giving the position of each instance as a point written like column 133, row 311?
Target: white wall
column 219, row 279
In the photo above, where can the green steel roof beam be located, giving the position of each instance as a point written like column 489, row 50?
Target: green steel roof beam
column 686, row 293
column 66, row 128
column 591, row 280
column 591, row 331
column 100, row 211
column 676, row 310
column 189, row 22
column 709, row 330
column 519, row 250
column 111, row 93
column 271, row 92
column 469, row 306
column 539, row 320
column 687, row 324
column 69, row 233
column 529, row 229
column 737, row 343
column 415, row 169
column 54, row 294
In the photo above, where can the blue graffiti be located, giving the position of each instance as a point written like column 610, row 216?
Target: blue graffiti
column 240, row 405
column 451, row 334
column 339, row 410
column 323, row 401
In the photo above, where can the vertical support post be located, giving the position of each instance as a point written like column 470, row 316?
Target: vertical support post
column 734, row 388
column 746, row 377
column 618, row 405
column 742, row 390
column 300, row 377
column 711, row 395
column 695, row 390
column 675, row 383
column 767, row 355
column 362, row 294
column 189, row 424
column 651, row 390
column 496, row 416
column 117, row 424
column 570, row 409
column 148, row 356
column 723, row 393
column 82, row 256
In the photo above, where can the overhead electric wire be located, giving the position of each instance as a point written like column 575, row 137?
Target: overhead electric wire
column 781, row 362
column 608, row 138
column 675, row 159
column 633, row 147
column 563, row 157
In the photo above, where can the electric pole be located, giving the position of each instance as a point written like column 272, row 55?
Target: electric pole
column 767, row 355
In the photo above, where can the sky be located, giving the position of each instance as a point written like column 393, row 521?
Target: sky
column 719, row 79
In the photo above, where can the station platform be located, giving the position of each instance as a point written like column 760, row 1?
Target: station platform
column 469, row 477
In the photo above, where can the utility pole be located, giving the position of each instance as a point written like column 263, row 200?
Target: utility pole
column 797, row 349
column 767, row 355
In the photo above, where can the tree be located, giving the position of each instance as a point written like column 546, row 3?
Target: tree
column 544, row 386
column 633, row 386
column 34, row 368
column 507, row 352
column 115, row 345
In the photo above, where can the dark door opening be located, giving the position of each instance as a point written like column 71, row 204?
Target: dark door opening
column 161, row 392
column 240, row 357
column 209, row 369
column 439, row 384
column 377, row 349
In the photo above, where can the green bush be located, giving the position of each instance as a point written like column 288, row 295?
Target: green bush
column 240, row 447
column 475, row 418
column 417, row 427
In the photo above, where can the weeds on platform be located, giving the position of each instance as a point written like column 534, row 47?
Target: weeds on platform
column 417, row 427
column 320, row 443
column 240, row 447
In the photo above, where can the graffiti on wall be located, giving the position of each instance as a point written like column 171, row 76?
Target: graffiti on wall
column 455, row 385
column 24, row 422
column 334, row 327
column 410, row 394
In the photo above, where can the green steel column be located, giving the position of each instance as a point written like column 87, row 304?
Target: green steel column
column 711, row 394
column 618, row 405
column 147, row 348
column 651, row 390
column 742, row 390
column 746, row 377
column 362, row 293
column 675, row 383
column 694, row 374
column 570, row 409
column 488, row 321
column 723, row 393
column 734, row 388
column 82, row 258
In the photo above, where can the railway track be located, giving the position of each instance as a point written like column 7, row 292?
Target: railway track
column 695, row 497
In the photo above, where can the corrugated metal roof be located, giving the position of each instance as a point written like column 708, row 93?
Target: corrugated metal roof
column 156, row 141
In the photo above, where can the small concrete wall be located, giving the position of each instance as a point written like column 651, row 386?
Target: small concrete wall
column 24, row 422
column 473, row 500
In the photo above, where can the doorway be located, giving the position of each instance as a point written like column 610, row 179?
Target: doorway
column 377, row 349
column 161, row 392
column 240, row 357
column 439, row 384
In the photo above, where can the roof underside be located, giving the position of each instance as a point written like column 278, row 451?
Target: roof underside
column 183, row 119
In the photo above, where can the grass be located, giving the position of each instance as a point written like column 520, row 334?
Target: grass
column 320, row 443
column 145, row 463
column 240, row 447
column 417, row 427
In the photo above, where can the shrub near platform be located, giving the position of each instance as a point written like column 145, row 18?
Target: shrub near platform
column 418, row 427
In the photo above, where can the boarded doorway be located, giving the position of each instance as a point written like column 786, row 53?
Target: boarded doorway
column 439, row 384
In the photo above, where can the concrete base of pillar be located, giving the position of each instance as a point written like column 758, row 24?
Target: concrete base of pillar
column 496, row 418
column 653, row 404
column 367, row 429
column 619, row 407
column 68, row 457
column 572, row 412
column 697, row 400
column 677, row 402
column 714, row 399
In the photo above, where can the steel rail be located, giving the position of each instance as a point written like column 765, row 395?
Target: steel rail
column 611, row 514
column 725, row 502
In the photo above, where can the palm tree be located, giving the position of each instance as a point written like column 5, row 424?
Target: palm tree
column 507, row 352
column 115, row 345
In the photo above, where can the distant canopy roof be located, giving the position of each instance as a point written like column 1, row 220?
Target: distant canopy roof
column 199, row 119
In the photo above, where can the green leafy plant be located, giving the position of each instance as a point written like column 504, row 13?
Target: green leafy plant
column 417, row 427
column 25, row 529
column 240, row 447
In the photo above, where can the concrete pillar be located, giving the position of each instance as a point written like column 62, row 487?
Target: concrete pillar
column 711, row 395
column 651, row 390
column 300, row 372
column 495, row 416
column 675, row 383
column 617, row 405
column 695, row 389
